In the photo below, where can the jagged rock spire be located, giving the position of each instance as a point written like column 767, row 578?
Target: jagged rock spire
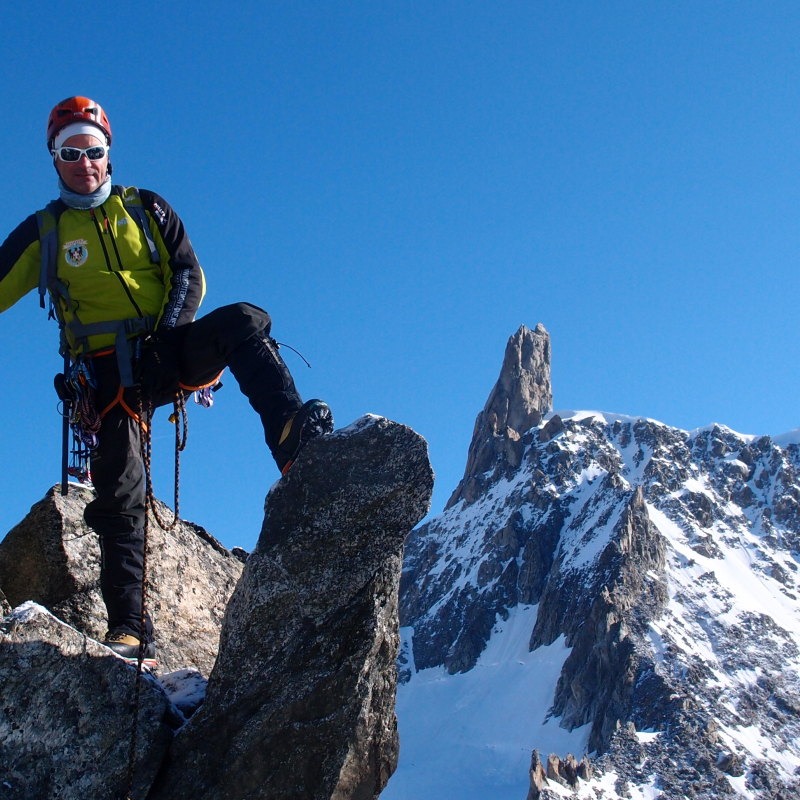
column 518, row 402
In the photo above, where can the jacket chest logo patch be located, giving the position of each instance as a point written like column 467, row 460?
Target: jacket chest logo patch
column 76, row 253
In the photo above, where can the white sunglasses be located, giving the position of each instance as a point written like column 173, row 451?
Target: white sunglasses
column 72, row 154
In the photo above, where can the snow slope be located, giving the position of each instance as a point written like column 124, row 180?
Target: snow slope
column 470, row 736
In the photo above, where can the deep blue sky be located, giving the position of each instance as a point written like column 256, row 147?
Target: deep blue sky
column 401, row 185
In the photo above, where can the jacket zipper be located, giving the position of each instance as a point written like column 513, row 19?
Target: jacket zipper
column 108, row 260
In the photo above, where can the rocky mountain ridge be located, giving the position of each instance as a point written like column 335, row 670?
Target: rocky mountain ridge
column 665, row 561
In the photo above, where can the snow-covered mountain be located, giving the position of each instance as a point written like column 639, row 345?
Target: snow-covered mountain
column 608, row 585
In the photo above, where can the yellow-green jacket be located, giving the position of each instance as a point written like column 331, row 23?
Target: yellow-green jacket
column 104, row 262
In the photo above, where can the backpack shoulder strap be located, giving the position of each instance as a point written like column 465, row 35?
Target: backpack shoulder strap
column 133, row 205
column 47, row 220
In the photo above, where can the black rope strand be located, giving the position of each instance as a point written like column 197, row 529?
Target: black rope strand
column 145, row 449
column 139, row 663
column 181, row 420
column 144, row 445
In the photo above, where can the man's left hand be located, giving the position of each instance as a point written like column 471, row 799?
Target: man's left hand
column 160, row 365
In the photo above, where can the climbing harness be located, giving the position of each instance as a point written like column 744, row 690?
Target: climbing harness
column 60, row 300
column 76, row 387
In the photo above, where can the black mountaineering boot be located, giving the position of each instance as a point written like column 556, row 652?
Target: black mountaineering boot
column 267, row 383
column 312, row 420
column 127, row 647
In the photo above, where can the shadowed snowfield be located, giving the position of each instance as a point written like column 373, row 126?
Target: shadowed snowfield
column 470, row 736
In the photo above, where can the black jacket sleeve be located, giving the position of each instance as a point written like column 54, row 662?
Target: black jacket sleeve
column 183, row 276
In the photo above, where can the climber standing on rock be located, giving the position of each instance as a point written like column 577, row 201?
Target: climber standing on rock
column 125, row 285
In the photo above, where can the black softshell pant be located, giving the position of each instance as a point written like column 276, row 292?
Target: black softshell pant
column 235, row 336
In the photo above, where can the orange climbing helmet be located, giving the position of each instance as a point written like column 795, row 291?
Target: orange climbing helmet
column 76, row 109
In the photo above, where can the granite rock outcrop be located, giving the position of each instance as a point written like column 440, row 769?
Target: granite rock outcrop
column 66, row 715
column 52, row 558
column 301, row 700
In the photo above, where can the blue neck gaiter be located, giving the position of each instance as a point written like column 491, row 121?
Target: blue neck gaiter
column 84, row 202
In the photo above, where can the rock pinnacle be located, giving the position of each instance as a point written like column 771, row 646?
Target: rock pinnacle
column 518, row 402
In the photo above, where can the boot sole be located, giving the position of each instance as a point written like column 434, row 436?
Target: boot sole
column 148, row 664
column 317, row 421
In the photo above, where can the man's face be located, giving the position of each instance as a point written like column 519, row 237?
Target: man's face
column 83, row 176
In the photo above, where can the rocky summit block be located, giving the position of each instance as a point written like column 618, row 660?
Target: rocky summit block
column 65, row 726
column 301, row 701
column 53, row 558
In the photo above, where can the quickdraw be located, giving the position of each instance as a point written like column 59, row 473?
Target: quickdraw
column 205, row 397
column 77, row 389
column 84, row 419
